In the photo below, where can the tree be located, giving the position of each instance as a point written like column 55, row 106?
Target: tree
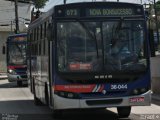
column 158, row 6
column 158, row 12
column 39, row 3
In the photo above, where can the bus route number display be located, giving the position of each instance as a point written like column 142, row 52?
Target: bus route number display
column 110, row 12
column 72, row 12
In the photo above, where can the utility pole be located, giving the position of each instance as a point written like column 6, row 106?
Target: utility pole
column 156, row 21
column 64, row 1
column 117, row 0
column 11, row 26
column 16, row 16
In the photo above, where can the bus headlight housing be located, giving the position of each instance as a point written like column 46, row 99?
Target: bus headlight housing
column 67, row 94
column 11, row 71
column 139, row 91
column 135, row 91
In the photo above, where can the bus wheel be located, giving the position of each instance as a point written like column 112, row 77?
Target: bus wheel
column 19, row 83
column 46, row 95
column 57, row 113
column 37, row 101
column 123, row 112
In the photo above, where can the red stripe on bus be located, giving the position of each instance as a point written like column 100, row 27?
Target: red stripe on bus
column 101, row 89
column 75, row 88
column 18, row 66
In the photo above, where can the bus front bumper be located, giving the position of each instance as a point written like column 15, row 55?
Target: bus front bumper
column 12, row 78
column 66, row 103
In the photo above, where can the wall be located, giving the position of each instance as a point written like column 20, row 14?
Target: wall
column 3, row 36
column 155, row 73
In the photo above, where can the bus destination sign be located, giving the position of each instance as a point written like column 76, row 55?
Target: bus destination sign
column 19, row 39
column 110, row 12
column 99, row 12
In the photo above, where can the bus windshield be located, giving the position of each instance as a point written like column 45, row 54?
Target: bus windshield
column 101, row 46
column 17, row 53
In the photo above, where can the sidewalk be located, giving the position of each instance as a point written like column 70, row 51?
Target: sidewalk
column 3, row 76
column 156, row 96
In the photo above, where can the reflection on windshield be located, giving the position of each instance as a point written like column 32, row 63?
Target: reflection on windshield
column 17, row 54
column 97, row 46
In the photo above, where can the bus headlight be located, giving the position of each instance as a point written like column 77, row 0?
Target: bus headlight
column 67, row 94
column 12, row 72
column 135, row 92
column 143, row 90
column 139, row 91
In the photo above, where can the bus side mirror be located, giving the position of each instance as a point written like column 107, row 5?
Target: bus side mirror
column 3, row 50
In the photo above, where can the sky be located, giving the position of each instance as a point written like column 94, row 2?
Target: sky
column 51, row 3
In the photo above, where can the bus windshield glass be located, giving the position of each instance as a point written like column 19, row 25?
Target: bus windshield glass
column 101, row 46
column 17, row 53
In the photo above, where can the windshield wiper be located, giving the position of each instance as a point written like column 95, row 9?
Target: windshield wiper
column 93, row 36
column 117, row 30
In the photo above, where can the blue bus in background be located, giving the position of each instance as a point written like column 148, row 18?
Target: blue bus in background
column 90, row 55
column 16, row 58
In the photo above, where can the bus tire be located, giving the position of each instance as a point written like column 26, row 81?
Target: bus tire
column 33, row 86
column 46, row 95
column 19, row 83
column 37, row 101
column 123, row 112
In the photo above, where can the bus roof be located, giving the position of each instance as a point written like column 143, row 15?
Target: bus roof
column 99, row 3
column 45, row 15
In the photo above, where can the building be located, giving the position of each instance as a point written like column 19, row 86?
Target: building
column 7, row 24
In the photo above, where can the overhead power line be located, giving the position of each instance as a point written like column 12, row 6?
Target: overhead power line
column 22, row 1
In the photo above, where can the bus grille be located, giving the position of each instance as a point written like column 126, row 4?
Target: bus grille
column 109, row 94
column 103, row 102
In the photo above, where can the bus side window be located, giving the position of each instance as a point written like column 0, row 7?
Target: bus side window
column 3, row 50
column 49, row 32
column 49, row 29
column 45, row 40
column 44, row 45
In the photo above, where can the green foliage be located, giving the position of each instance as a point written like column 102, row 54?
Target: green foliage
column 39, row 3
column 158, row 4
column 158, row 13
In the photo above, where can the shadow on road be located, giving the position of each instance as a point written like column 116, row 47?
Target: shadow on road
column 26, row 110
column 92, row 115
column 74, row 115
column 11, row 85
column 22, row 107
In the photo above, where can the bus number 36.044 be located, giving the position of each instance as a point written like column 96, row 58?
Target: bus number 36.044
column 119, row 86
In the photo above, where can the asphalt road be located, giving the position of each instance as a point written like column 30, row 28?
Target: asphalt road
column 16, row 103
